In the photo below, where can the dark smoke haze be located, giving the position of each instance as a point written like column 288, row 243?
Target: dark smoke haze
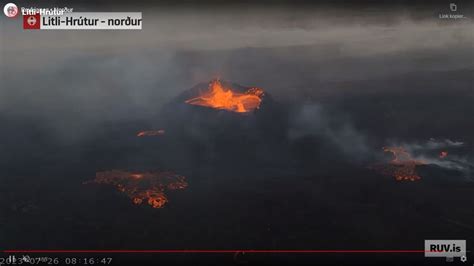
column 345, row 80
column 356, row 62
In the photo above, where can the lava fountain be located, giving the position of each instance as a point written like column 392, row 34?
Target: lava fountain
column 219, row 97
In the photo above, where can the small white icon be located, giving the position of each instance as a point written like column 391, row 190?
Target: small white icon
column 31, row 20
column 10, row 10
column 463, row 258
column 453, row 7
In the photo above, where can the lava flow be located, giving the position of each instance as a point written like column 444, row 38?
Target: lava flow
column 150, row 133
column 219, row 97
column 402, row 166
column 142, row 187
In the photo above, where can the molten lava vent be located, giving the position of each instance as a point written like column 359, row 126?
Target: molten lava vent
column 219, row 97
column 214, row 119
column 142, row 187
column 402, row 167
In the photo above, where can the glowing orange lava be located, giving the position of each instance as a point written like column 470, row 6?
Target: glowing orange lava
column 402, row 166
column 150, row 133
column 219, row 97
column 443, row 154
column 142, row 187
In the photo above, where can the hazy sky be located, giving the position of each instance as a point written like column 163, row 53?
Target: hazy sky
column 74, row 76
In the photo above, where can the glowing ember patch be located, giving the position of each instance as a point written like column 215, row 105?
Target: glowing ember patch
column 136, row 176
column 402, row 167
column 151, row 133
column 143, row 187
column 443, row 154
column 219, row 97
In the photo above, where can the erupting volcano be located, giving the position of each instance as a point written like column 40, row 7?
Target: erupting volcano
column 144, row 186
column 402, row 166
column 219, row 97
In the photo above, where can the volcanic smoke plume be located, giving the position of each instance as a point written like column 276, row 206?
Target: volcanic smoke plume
column 142, row 187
